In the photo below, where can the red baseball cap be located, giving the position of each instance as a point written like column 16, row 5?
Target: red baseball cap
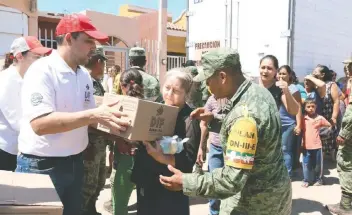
column 79, row 23
column 28, row 43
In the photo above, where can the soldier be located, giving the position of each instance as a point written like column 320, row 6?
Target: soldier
column 94, row 157
column 150, row 83
column 203, row 87
column 254, row 179
column 344, row 157
column 194, row 99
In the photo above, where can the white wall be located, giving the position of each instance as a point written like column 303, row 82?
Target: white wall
column 207, row 22
column 260, row 25
column 13, row 24
column 322, row 35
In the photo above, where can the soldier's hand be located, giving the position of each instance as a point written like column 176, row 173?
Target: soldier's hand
column 173, row 183
column 202, row 114
column 111, row 117
column 340, row 141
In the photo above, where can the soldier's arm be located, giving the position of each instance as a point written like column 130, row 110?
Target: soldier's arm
column 219, row 184
column 346, row 131
column 239, row 160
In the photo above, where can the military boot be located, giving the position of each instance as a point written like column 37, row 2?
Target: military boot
column 342, row 208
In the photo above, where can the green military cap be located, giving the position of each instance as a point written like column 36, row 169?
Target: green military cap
column 99, row 51
column 136, row 52
column 192, row 69
column 215, row 60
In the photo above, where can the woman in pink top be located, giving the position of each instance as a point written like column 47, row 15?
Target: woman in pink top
column 312, row 145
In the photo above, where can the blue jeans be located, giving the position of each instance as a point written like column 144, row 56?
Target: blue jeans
column 66, row 174
column 312, row 165
column 216, row 160
column 288, row 144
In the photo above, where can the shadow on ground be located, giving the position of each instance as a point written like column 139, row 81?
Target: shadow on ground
column 308, row 206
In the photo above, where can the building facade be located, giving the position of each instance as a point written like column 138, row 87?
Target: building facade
column 299, row 33
column 141, row 31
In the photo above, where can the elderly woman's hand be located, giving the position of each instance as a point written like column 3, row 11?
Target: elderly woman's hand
column 202, row 114
column 155, row 151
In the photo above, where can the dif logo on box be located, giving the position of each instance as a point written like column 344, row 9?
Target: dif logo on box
column 157, row 121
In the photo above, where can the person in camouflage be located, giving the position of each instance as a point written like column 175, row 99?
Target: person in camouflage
column 254, row 179
column 94, row 157
column 151, row 84
column 194, row 99
column 344, row 164
column 205, row 91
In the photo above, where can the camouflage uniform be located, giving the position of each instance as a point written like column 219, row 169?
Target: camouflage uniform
column 195, row 96
column 94, row 158
column 254, row 179
column 344, row 165
column 151, row 85
column 205, row 92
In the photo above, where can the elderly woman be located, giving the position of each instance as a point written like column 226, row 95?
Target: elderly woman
column 150, row 162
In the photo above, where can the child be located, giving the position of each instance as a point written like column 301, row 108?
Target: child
column 312, row 145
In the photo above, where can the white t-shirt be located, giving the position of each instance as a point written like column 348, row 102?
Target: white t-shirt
column 10, row 109
column 50, row 85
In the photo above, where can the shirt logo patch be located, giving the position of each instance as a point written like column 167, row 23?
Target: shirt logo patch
column 36, row 99
column 87, row 94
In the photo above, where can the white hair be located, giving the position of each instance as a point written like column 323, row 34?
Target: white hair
column 182, row 75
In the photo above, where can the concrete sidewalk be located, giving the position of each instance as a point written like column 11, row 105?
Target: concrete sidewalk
column 309, row 200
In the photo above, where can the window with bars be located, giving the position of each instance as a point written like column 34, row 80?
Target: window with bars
column 49, row 43
column 47, row 38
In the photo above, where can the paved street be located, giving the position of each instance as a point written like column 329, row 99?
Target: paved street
column 305, row 200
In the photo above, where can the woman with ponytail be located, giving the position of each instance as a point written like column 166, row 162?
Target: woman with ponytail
column 131, row 84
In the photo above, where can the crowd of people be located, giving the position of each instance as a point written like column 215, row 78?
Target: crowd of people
column 255, row 135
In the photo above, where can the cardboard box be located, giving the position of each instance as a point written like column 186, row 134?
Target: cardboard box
column 149, row 120
column 28, row 194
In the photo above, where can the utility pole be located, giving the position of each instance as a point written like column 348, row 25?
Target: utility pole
column 162, row 41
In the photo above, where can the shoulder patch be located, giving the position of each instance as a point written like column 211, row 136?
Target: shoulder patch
column 241, row 144
column 36, row 99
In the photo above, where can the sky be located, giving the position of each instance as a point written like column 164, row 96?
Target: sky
column 175, row 7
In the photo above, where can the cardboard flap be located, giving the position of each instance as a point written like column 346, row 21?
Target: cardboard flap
column 27, row 189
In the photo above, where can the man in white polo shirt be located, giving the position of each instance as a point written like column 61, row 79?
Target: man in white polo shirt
column 24, row 51
column 58, row 105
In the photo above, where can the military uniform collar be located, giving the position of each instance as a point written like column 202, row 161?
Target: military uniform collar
column 137, row 67
column 240, row 91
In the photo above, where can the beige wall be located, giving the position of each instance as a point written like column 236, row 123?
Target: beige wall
column 24, row 6
column 123, row 28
